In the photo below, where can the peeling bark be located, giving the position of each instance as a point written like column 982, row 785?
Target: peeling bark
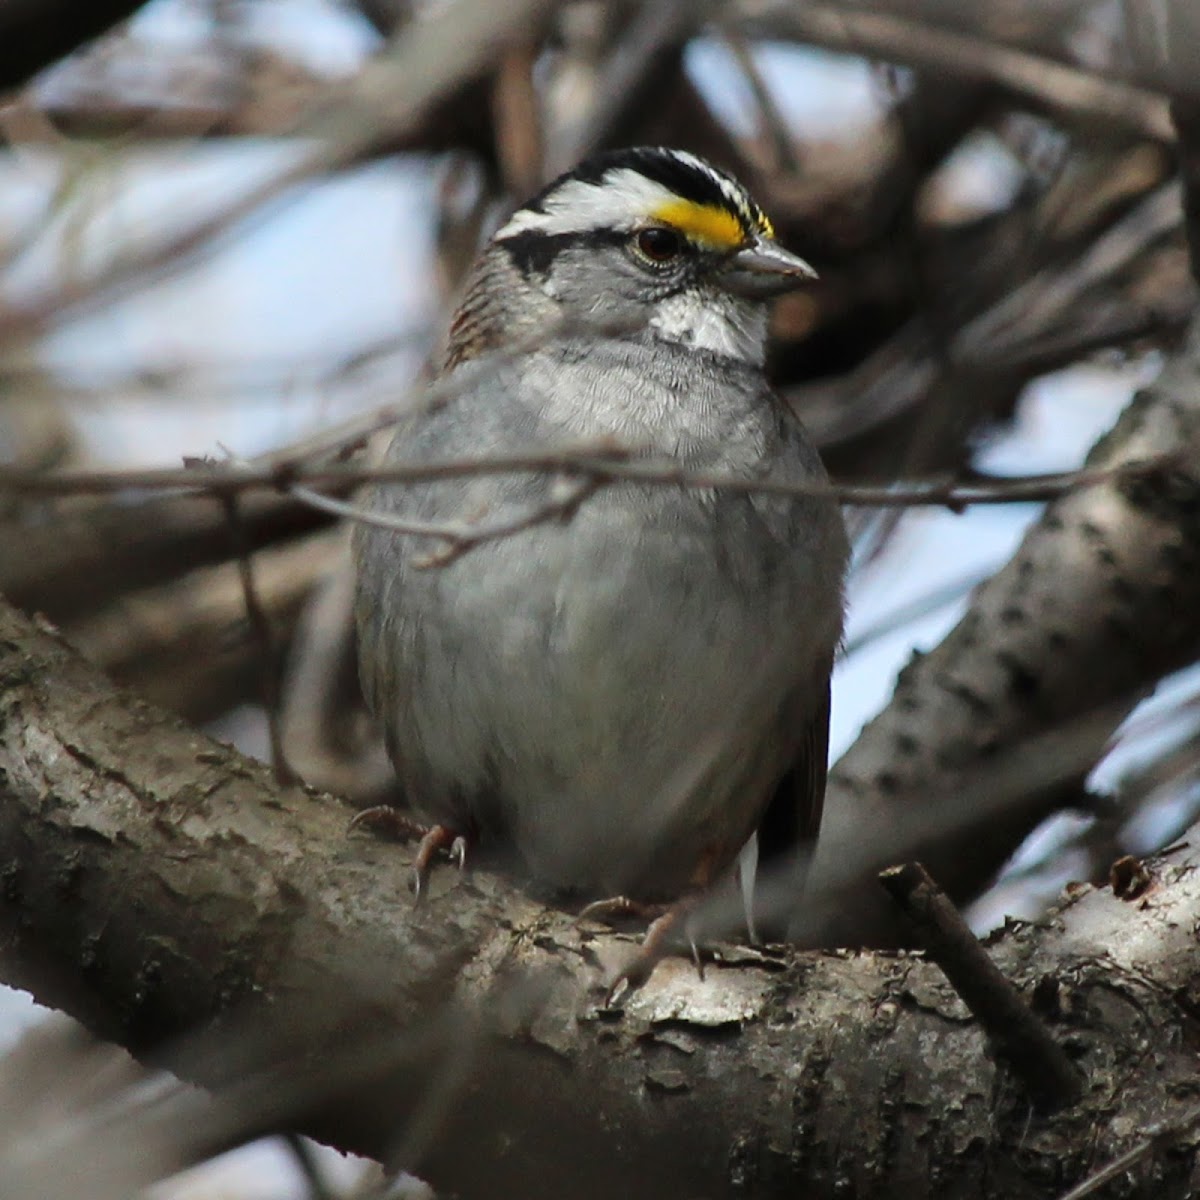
column 155, row 883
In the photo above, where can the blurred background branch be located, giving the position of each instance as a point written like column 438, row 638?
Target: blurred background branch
column 34, row 34
column 230, row 230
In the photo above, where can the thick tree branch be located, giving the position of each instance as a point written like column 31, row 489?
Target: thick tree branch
column 121, row 547
column 1099, row 602
column 155, row 883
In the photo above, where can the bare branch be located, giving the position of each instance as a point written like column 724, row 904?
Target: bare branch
column 1098, row 603
column 160, row 884
column 184, row 643
column 518, row 121
column 1161, row 1137
column 460, row 536
column 1064, row 89
column 602, row 462
column 35, row 35
column 264, row 635
column 1042, row 1063
column 120, row 547
column 973, row 46
column 433, row 56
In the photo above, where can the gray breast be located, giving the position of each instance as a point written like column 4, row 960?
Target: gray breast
column 612, row 697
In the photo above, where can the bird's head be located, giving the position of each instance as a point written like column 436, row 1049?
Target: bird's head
column 653, row 240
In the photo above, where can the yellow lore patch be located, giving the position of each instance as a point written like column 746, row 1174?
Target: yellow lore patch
column 707, row 223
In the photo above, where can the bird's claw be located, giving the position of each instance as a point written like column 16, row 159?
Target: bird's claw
column 388, row 820
column 656, row 945
column 619, row 988
column 436, row 838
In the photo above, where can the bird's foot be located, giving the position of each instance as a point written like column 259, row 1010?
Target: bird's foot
column 616, row 909
column 665, row 923
column 392, row 822
column 659, row 942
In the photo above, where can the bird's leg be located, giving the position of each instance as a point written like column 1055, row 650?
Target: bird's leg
column 656, row 945
column 383, row 818
column 666, row 923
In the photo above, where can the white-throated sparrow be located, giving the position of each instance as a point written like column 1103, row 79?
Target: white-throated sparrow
column 623, row 697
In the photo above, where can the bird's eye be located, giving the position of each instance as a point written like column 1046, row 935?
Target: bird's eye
column 659, row 245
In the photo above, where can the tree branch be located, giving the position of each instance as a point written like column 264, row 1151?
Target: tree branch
column 155, row 883
column 1064, row 89
column 121, row 546
column 1099, row 602
column 602, row 462
column 999, row 41
column 185, row 644
column 387, row 100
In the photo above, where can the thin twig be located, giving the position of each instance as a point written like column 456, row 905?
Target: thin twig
column 260, row 625
column 602, row 461
column 1049, row 1075
column 386, row 101
column 1158, row 1137
column 1054, row 295
column 1009, row 335
column 517, row 119
column 310, row 1168
column 654, row 31
column 459, row 536
column 1186, row 115
column 773, row 127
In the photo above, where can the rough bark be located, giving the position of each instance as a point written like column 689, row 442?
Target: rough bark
column 155, row 883
column 1098, row 604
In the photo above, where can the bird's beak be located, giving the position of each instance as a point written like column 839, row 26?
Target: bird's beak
column 763, row 269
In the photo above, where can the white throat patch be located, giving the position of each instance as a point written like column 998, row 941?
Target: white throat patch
column 723, row 324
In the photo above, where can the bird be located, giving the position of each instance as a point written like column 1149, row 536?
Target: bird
column 627, row 687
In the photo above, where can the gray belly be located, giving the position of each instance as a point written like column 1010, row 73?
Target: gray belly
column 611, row 698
